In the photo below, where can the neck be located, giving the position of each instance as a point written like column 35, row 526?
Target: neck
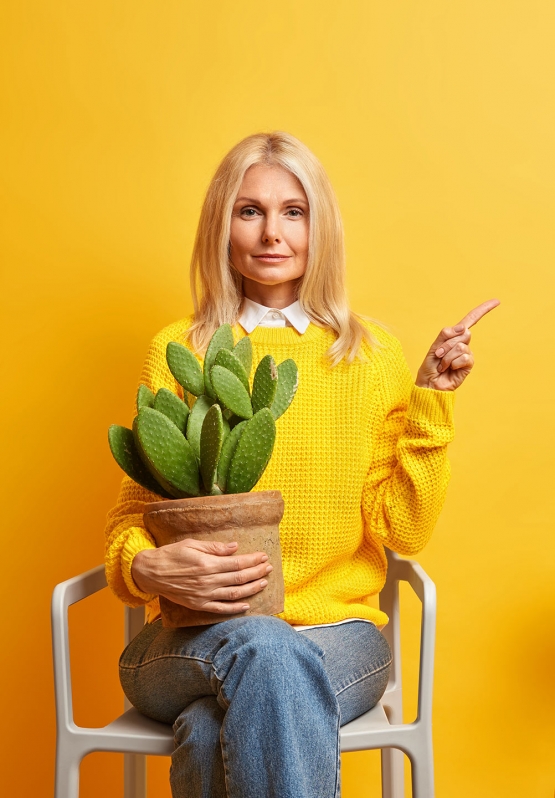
column 271, row 296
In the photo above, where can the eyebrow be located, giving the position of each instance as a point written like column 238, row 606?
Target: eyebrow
column 293, row 201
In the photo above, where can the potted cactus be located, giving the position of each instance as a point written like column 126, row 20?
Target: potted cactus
column 204, row 459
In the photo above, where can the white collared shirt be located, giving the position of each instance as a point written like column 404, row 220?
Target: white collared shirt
column 255, row 315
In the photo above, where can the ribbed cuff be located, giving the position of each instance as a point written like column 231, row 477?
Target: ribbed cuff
column 434, row 406
column 135, row 543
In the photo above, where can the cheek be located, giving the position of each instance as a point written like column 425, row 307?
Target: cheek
column 242, row 236
column 299, row 239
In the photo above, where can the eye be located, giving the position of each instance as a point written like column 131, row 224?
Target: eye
column 249, row 212
column 295, row 213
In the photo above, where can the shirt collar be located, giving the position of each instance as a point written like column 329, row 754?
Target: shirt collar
column 253, row 314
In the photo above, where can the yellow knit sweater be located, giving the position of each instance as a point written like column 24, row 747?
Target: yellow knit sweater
column 360, row 459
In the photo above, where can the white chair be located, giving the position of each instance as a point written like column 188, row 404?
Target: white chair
column 135, row 735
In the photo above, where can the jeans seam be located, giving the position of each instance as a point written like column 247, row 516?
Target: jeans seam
column 366, row 675
column 338, row 759
column 165, row 656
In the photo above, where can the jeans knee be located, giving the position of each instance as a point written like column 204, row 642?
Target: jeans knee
column 275, row 657
column 199, row 724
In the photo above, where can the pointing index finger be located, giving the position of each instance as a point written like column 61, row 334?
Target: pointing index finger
column 475, row 315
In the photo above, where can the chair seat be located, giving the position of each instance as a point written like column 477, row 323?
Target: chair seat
column 149, row 736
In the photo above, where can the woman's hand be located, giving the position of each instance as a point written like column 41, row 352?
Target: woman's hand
column 202, row 575
column 450, row 360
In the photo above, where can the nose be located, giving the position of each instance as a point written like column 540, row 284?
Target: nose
column 271, row 233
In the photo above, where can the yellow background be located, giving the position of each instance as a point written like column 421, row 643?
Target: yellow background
column 435, row 121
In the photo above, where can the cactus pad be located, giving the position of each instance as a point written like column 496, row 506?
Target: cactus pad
column 166, row 453
column 252, row 453
column 145, row 397
column 228, row 450
column 243, row 350
column 231, row 392
column 288, row 381
column 265, row 384
column 185, row 368
column 211, row 440
column 122, row 446
column 222, row 339
column 194, row 423
column 232, row 363
column 173, row 407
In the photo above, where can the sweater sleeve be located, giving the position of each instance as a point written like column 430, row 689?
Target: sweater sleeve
column 409, row 472
column 125, row 533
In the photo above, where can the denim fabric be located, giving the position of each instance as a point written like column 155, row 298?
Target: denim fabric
column 255, row 705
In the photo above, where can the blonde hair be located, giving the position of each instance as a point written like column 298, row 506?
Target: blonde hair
column 216, row 286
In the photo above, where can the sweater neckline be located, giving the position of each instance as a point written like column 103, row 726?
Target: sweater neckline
column 285, row 336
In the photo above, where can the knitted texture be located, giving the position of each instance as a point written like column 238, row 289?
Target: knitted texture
column 360, row 459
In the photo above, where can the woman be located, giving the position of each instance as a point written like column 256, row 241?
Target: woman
column 360, row 458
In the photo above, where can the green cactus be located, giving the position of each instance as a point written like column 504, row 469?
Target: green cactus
column 231, row 392
column 243, row 350
column 194, row 424
column 224, row 443
column 122, row 446
column 145, row 397
column 265, row 384
column 185, row 368
column 222, row 339
column 166, row 453
column 288, row 380
column 211, row 440
column 232, row 363
column 252, row 453
column 173, row 407
column 228, row 450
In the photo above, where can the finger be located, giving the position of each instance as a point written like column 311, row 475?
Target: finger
column 478, row 313
column 464, row 361
column 239, row 562
column 210, row 546
column 446, row 346
column 230, row 578
column 226, row 560
column 239, row 592
column 458, row 350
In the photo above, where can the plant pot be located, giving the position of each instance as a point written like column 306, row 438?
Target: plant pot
column 250, row 519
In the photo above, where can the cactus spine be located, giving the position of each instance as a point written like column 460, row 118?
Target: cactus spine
column 225, row 441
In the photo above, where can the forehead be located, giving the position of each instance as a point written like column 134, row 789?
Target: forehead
column 267, row 182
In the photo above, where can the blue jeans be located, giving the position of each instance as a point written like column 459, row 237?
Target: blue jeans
column 255, row 705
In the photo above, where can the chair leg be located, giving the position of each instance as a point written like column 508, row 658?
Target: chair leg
column 134, row 776
column 67, row 777
column 393, row 773
column 422, row 767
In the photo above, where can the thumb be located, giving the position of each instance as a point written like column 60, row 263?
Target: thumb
column 211, row 546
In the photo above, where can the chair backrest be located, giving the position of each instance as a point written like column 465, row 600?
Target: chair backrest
column 134, row 622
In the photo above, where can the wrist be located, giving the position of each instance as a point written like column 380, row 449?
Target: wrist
column 143, row 570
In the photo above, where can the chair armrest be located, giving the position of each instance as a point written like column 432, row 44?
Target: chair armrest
column 401, row 570
column 65, row 594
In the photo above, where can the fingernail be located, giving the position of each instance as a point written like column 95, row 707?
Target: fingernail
column 231, row 545
column 264, row 558
column 269, row 568
column 440, row 352
column 459, row 328
column 245, row 607
column 263, row 583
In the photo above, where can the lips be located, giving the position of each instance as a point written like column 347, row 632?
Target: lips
column 270, row 256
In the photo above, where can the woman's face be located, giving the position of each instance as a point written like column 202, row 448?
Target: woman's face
column 269, row 228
